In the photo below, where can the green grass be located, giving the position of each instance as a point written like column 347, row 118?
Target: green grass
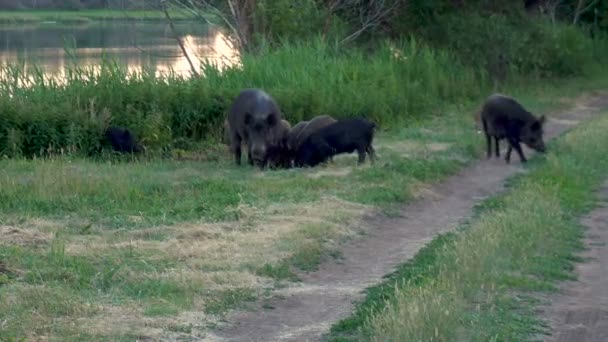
column 112, row 192
column 83, row 16
column 153, row 238
column 478, row 284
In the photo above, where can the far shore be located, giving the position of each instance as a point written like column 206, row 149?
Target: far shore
column 64, row 16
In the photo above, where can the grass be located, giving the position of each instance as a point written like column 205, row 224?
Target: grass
column 144, row 243
column 479, row 284
column 83, row 16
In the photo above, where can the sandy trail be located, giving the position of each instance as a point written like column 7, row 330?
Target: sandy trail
column 306, row 311
column 580, row 311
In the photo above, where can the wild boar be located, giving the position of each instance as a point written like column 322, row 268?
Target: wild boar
column 254, row 119
column 504, row 118
column 278, row 152
column 122, row 140
column 304, row 129
column 343, row 136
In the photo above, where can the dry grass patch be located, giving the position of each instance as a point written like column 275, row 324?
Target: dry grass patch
column 331, row 172
column 223, row 263
column 35, row 309
column 25, row 237
column 414, row 148
column 226, row 245
column 130, row 320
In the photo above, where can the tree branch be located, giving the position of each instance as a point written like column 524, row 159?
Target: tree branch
column 580, row 10
column 179, row 41
column 372, row 15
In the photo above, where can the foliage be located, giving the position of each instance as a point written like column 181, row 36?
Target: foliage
column 277, row 20
column 503, row 44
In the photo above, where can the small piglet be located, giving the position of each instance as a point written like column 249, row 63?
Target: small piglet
column 122, row 140
column 343, row 136
column 504, row 118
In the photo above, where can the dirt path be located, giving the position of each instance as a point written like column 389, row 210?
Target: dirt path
column 307, row 310
column 580, row 311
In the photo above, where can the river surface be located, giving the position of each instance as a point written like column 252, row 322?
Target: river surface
column 55, row 47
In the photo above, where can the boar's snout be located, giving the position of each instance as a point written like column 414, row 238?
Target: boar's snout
column 258, row 153
column 536, row 143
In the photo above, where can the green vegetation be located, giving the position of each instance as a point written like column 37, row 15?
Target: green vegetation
column 477, row 284
column 451, row 58
column 306, row 79
column 37, row 16
column 151, row 239
column 111, row 192
column 150, row 245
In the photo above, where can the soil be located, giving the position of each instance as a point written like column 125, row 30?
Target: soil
column 306, row 311
column 579, row 312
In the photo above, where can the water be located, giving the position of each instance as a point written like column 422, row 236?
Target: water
column 131, row 44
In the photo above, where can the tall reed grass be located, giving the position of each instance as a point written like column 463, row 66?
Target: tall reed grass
column 395, row 83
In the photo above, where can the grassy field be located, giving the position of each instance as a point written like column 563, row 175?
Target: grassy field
column 161, row 247
column 479, row 284
column 34, row 16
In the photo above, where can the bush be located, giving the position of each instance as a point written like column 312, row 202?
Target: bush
column 502, row 43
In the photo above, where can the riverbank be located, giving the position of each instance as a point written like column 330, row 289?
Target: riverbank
column 84, row 16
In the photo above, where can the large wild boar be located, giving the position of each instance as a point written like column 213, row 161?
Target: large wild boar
column 254, row 119
column 504, row 118
column 122, row 140
column 343, row 136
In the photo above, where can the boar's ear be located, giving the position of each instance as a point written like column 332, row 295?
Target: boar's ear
column 271, row 120
column 126, row 134
column 542, row 120
column 248, row 119
column 536, row 125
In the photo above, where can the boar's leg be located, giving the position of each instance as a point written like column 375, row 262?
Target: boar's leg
column 372, row 153
column 496, row 147
column 489, row 145
column 514, row 144
column 361, row 152
column 249, row 158
column 488, row 139
column 235, row 147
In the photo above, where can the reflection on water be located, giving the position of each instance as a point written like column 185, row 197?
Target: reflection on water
column 55, row 47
